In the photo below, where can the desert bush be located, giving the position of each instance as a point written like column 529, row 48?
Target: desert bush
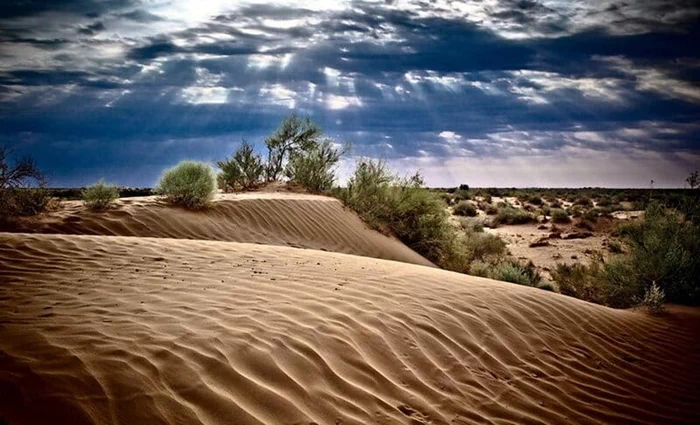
column 243, row 171
column 465, row 208
column 604, row 201
column 547, row 287
column 615, row 247
column 294, row 135
column 560, row 216
column 462, row 194
column 535, row 200
column 405, row 208
column 509, row 270
column 584, row 201
column 22, row 187
column 313, row 168
column 479, row 246
column 100, row 195
column 510, row 215
column 663, row 250
column 190, row 184
column 471, row 225
column 654, row 299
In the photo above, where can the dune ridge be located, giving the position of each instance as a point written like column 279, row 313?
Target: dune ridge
column 99, row 329
column 287, row 219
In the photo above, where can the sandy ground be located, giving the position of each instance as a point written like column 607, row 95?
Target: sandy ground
column 101, row 329
column 287, row 219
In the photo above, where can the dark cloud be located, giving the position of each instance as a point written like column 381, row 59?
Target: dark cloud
column 92, row 29
column 519, row 79
column 140, row 15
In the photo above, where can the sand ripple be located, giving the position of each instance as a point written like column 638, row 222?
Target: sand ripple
column 115, row 330
column 296, row 220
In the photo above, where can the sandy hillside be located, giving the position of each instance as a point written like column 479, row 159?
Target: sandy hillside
column 118, row 330
column 287, row 219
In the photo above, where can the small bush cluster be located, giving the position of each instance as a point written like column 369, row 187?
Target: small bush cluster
column 508, row 270
column 190, row 184
column 100, row 195
column 560, row 216
column 661, row 251
column 313, row 169
column 465, row 209
column 511, row 215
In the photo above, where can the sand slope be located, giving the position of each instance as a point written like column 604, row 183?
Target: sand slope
column 288, row 219
column 116, row 330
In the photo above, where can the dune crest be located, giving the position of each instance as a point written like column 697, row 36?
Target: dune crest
column 113, row 330
column 287, row 219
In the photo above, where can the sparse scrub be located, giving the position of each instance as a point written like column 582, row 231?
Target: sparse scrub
column 560, row 216
column 243, row 171
column 100, row 195
column 584, row 201
column 509, row 270
column 615, row 247
column 465, row 209
column 190, row 184
column 510, row 215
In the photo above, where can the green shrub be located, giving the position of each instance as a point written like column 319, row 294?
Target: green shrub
column 663, row 250
column 403, row 207
column 547, row 287
column 610, row 284
column 509, row 270
column 510, row 215
column 560, row 216
column 479, row 246
column 313, row 169
column 584, row 201
column 615, row 247
column 100, row 195
column 294, row 135
column 243, row 171
column 535, row 200
column 465, row 208
column 190, row 184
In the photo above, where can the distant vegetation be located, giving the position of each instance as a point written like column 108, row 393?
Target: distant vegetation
column 100, row 195
column 190, row 184
column 662, row 251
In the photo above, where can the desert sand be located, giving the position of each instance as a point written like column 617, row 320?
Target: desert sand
column 277, row 218
column 159, row 326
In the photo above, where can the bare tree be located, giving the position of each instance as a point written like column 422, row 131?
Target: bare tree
column 16, row 180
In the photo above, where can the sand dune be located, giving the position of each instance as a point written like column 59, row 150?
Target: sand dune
column 287, row 219
column 116, row 330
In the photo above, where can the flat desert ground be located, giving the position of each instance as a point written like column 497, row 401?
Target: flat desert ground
column 287, row 309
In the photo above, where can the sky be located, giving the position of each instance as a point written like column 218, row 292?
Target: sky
column 510, row 93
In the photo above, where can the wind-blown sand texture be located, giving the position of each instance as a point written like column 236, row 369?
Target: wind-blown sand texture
column 288, row 219
column 124, row 330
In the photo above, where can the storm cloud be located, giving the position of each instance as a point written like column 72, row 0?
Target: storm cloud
column 121, row 89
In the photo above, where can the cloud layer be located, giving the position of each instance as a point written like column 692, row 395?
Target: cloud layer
column 123, row 88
